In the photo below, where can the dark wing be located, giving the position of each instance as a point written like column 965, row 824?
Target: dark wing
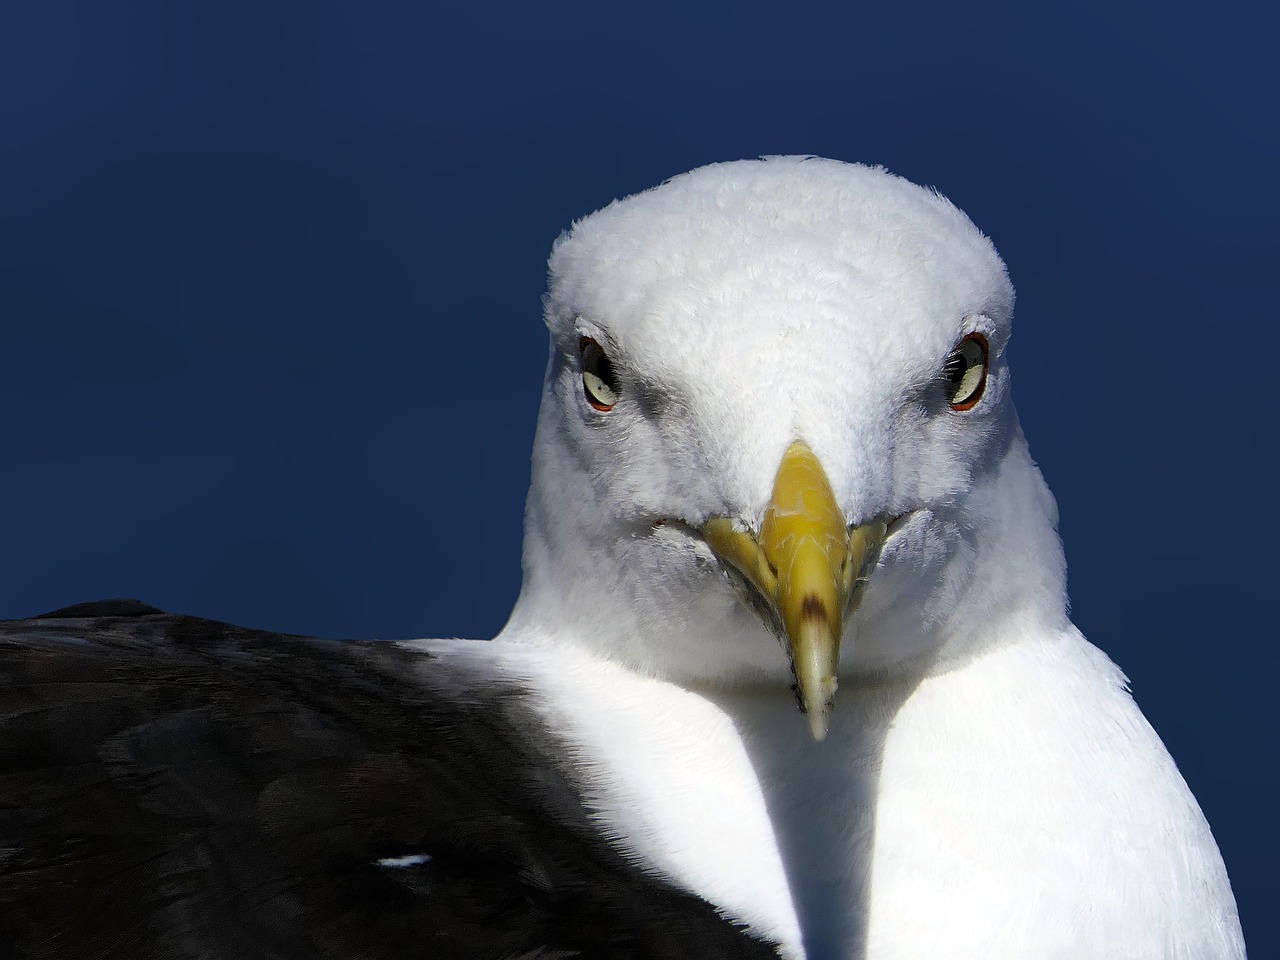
column 175, row 787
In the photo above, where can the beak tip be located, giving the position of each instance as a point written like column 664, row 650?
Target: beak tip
column 818, row 723
column 816, row 703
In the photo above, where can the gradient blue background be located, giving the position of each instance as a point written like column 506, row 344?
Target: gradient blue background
column 270, row 277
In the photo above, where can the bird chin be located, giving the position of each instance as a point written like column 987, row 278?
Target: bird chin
column 882, row 633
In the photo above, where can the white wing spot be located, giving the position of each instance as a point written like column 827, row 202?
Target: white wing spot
column 400, row 863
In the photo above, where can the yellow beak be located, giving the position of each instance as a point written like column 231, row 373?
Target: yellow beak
column 802, row 573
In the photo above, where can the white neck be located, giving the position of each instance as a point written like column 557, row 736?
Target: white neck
column 944, row 815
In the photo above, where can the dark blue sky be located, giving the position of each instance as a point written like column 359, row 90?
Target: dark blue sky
column 266, row 266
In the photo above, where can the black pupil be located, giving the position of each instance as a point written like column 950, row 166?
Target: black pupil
column 602, row 368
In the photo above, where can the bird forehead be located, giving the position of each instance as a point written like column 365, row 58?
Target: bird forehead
column 804, row 256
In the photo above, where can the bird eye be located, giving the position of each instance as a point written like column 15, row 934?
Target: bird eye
column 598, row 380
column 965, row 372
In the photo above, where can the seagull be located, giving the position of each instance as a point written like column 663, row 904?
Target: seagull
column 790, row 673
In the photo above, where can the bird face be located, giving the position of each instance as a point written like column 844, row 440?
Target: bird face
column 777, row 409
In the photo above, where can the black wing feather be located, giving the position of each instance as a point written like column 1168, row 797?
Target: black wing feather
column 177, row 787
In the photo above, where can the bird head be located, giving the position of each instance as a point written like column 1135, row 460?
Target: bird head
column 777, row 410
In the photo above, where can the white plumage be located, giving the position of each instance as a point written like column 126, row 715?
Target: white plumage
column 988, row 787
